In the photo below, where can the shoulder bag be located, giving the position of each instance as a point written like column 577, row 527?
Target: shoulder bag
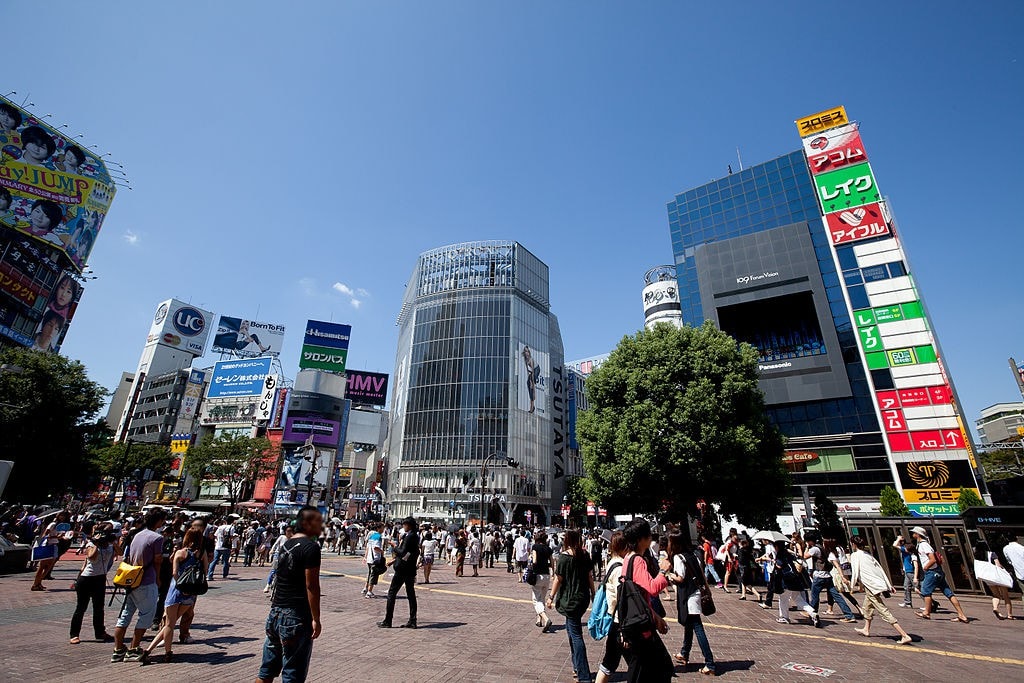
column 192, row 579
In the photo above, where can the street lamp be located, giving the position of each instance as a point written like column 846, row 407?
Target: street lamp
column 509, row 461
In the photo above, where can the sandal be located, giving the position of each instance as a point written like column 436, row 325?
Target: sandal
column 999, row 616
column 964, row 620
column 75, row 641
column 682, row 660
column 707, row 671
column 922, row 615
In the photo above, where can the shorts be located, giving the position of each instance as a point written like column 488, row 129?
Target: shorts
column 521, row 565
column 142, row 599
column 428, row 559
column 935, row 580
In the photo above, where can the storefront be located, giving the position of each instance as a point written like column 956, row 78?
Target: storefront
column 997, row 526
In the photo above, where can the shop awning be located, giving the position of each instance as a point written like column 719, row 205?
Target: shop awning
column 208, row 504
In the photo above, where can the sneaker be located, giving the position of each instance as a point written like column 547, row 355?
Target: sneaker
column 133, row 654
column 817, row 621
column 118, row 655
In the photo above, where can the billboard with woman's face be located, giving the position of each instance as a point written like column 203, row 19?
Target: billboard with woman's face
column 50, row 188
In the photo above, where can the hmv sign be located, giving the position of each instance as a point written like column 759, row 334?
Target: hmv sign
column 367, row 388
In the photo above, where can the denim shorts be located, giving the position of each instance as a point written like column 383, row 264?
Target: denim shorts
column 933, row 581
column 288, row 646
column 142, row 599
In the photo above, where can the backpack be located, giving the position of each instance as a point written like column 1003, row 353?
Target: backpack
column 633, row 608
column 192, row 580
column 601, row 620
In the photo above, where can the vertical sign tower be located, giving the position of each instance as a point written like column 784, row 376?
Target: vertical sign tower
column 929, row 449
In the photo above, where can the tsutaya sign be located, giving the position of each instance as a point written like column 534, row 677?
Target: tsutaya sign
column 914, row 398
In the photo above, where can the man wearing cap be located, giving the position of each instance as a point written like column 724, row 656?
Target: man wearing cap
column 407, row 553
column 934, row 578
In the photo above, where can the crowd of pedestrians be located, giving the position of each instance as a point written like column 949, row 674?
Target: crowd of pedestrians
column 564, row 570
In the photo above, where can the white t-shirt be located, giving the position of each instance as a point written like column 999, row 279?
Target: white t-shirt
column 1014, row 554
column 693, row 602
column 923, row 549
column 374, row 541
column 429, row 548
column 814, row 554
column 223, row 536
column 522, row 549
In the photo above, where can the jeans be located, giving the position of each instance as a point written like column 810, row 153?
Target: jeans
column 89, row 588
column 826, row 582
column 219, row 555
column 288, row 646
column 250, row 553
column 908, row 589
column 577, row 648
column 143, row 599
column 409, row 581
column 935, row 580
column 693, row 625
column 709, row 571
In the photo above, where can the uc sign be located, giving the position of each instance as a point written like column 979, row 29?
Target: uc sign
column 189, row 322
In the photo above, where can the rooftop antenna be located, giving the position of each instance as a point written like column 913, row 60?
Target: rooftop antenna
column 738, row 157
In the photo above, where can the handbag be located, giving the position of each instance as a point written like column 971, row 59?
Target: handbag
column 128, row 575
column 41, row 553
column 192, row 580
column 707, row 602
column 992, row 574
column 530, row 574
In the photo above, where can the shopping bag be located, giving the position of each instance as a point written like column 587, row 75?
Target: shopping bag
column 990, row 573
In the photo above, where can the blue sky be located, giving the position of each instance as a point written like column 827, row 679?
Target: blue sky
column 276, row 149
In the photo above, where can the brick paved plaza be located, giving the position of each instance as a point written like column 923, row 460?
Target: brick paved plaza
column 481, row 629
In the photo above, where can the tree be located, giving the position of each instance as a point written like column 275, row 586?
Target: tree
column 826, row 514
column 891, row 503
column 968, row 499
column 675, row 416
column 49, row 411
column 234, row 460
column 1004, row 463
column 120, row 460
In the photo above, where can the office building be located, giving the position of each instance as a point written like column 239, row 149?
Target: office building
column 479, row 381
column 765, row 255
column 1000, row 423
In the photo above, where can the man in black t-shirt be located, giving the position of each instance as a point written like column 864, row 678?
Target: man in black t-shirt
column 294, row 620
column 407, row 554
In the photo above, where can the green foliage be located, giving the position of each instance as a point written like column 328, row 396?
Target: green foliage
column 675, row 416
column 968, row 499
column 1002, row 464
column 235, row 460
column 826, row 515
column 120, row 460
column 892, row 504
column 48, row 417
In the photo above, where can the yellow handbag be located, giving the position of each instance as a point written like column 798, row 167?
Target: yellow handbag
column 128, row 575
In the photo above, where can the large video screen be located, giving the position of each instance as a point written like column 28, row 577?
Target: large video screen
column 780, row 328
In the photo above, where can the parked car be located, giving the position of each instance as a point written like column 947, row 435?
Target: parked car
column 14, row 557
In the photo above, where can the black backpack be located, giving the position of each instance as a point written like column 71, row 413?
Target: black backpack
column 192, row 579
column 633, row 608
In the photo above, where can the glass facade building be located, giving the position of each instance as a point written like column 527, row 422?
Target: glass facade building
column 824, row 410
column 478, row 380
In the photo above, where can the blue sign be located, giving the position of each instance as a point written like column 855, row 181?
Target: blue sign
column 328, row 335
column 189, row 321
column 239, row 377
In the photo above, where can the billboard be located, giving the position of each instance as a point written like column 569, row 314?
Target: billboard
column 863, row 222
column 532, row 376
column 822, row 121
column 847, row 188
column 193, row 393
column 325, row 346
column 837, row 148
column 180, row 326
column 51, row 189
column 297, row 470
column 238, row 377
column 247, row 338
column 935, row 481
column 325, row 432
column 370, row 388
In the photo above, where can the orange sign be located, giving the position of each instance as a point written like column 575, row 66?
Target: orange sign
column 798, row 457
column 823, row 120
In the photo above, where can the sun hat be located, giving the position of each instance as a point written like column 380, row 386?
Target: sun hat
column 919, row 530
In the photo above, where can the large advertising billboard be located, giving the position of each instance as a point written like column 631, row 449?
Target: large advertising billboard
column 822, row 121
column 369, row 388
column 325, row 432
column 247, row 338
column 193, row 393
column 847, row 188
column 233, row 378
column 51, row 189
column 180, row 326
column 533, row 376
column 325, row 346
column 836, row 148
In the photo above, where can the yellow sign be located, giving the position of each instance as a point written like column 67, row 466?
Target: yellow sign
column 823, row 120
column 1020, row 431
column 967, row 443
column 933, row 495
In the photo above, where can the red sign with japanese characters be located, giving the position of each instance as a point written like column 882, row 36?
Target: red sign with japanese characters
column 855, row 224
column 834, row 149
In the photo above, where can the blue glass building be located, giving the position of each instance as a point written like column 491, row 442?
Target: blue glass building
column 751, row 254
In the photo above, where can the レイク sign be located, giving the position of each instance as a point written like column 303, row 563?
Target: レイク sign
column 847, row 188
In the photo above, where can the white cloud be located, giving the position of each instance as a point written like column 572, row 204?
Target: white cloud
column 355, row 296
column 131, row 237
column 308, row 286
